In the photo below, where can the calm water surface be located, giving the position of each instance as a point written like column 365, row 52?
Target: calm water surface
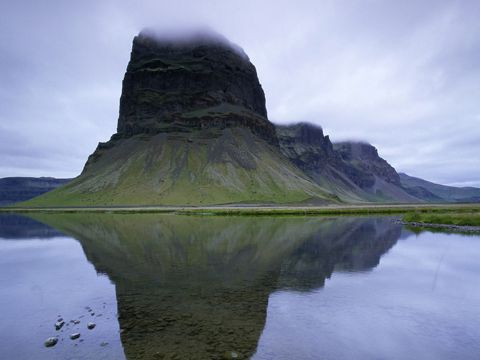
column 183, row 287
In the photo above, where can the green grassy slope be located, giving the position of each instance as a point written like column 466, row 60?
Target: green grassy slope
column 198, row 168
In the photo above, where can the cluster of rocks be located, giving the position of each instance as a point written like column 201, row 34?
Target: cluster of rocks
column 60, row 324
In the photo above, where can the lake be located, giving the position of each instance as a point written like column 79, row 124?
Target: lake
column 190, row 287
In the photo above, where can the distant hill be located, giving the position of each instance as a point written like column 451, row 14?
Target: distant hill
column 16, row 189
column 432, row 192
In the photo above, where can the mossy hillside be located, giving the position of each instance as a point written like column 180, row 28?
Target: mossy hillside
column 200, row 168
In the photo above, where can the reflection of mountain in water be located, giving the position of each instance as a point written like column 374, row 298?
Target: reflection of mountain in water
column 198, row 287
column 20, row 227
column 343, row 244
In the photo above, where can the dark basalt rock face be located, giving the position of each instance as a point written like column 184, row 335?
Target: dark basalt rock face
column 313, row 152
column 306, row 146
column 365, row 157
column 353, row 170
column 185, row 83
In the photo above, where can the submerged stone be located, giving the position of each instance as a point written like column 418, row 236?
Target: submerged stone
column 51, row 341
column 231, row 355
column 59, row 325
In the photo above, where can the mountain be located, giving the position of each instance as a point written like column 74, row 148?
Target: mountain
column 192, row 129
column 432, row 192
column 307, row 148
column 15, row 189
column 373, row 174
column 353, row 171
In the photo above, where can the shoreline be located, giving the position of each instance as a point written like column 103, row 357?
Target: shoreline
column 456, row 228
column 256, row 210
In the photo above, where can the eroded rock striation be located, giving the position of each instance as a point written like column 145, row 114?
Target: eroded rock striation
column 306, row 146
column 190, row 82
column 365, row 158
column 352, row 170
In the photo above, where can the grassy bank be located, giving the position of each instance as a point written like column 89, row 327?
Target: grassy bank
column 466, row 218
column 230, row 210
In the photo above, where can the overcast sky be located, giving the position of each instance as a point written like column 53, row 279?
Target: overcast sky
column 402, row 75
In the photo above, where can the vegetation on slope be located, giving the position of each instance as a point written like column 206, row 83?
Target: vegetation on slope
column 197, row 168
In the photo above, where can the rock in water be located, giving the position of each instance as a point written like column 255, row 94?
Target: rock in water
column 231, row 355
column 75, row 336
column 59, row 325
column 91, row 325
column 51, row 341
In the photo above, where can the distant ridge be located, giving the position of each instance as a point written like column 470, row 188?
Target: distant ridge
column 432, row 192
column 16, row 189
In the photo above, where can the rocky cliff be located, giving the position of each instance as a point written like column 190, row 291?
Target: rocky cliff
column 354, row 171
column 306, row 146
column 365, row 158
column 192, row 130
column 188, row 83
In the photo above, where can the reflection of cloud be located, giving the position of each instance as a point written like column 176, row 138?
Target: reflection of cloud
column 363, row 71
column 394, row 305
